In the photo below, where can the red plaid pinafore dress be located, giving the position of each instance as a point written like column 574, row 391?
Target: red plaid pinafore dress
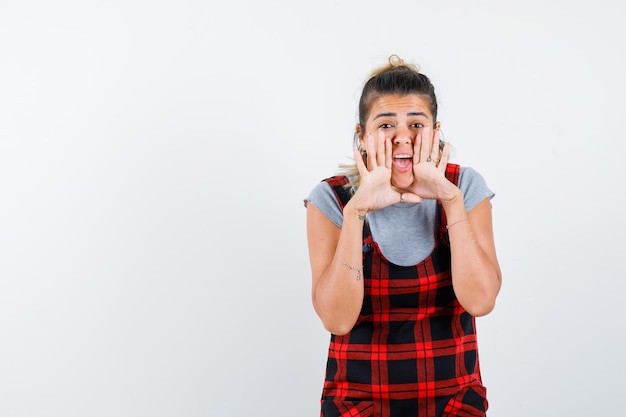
column 412, row 351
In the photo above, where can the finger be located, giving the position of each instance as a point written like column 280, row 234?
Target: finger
column 381, row 154
column 417, row 146
column 404, row 197
column 359, row 162
column 434, row 147
column 412, row 198
column 426, row 144
column 371, row 151
column 388, row 153
column 445, row 157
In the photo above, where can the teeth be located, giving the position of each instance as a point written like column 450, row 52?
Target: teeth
column 403, row 156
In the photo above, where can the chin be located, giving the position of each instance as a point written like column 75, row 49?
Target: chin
column 402, row 181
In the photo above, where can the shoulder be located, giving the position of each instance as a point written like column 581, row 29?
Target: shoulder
column 474, row 187
column 330, row 186
column 469, row 174
column 325, row 195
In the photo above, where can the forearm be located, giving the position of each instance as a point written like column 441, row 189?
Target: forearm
column 338, row 293
column 476, row 275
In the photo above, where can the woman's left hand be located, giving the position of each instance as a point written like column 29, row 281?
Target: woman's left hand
column 428, row 170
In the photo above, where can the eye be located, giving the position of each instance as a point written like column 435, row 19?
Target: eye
column 417, row 125
column 385, row 126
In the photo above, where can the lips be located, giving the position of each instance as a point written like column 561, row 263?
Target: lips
column 403, row 162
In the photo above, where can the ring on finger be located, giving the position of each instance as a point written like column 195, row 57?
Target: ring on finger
column 402, row 197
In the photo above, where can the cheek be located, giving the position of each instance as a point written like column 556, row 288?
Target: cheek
column 371, row 128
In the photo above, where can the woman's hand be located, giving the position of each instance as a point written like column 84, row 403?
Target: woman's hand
column 429, row 171
column 375, row 190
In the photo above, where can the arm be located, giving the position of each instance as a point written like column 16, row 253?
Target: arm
column 337, row 293
column 476, row 275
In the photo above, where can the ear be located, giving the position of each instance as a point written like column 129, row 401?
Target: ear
column 437, row 125
column 358, row 133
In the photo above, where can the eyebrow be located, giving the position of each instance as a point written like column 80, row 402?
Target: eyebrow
column 395, row 114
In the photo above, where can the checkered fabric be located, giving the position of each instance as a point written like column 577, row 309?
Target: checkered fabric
column 412, row 351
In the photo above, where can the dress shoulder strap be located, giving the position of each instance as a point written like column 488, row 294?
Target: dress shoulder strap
column 337, row 184
column 452, row 173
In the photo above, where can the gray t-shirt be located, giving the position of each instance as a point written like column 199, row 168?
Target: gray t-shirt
column 404, row 231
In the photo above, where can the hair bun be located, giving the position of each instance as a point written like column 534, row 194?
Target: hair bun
column 396, row 61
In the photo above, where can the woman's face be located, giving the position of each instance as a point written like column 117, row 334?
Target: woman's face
column 401, row 119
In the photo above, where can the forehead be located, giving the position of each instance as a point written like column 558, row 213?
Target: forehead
column 400, row 105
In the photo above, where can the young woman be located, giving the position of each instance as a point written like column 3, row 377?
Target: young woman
column 403, row 259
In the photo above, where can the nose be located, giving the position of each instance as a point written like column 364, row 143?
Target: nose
column 403, row 136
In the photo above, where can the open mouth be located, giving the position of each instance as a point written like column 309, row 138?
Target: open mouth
column 403, row 161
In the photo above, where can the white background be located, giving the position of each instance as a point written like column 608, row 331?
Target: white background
column 153, row 160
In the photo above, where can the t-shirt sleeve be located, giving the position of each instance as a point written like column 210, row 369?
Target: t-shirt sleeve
column 474, row 187
column 323, row 197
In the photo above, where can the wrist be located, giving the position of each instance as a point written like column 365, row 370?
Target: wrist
column 455, row 207
column 351, row 211
column 455, row 200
